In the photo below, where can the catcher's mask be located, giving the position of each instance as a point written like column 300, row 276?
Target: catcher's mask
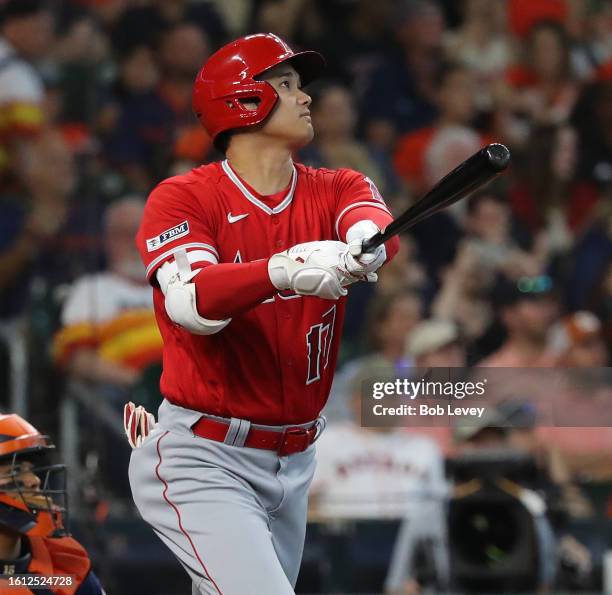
column 33, row 496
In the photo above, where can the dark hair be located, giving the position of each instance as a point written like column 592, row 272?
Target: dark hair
column 222, row 141
column 563, row 40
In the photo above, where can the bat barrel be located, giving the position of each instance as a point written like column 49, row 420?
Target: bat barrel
column 472, row 174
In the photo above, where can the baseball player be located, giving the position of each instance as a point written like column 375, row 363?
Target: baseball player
column 33, row 540
column 250, row 259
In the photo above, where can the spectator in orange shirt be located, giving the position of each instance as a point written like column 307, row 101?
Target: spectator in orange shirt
column 109, row 334
column 423, row 156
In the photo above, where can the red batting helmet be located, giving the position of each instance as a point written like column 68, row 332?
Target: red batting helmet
column 31, row 510
column 228, row 79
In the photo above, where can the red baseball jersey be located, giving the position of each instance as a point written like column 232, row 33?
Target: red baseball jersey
column 274, row 363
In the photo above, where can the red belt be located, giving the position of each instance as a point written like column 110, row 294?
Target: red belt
column 287, row 442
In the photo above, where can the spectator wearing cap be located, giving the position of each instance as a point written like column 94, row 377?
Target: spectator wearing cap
column 526, row 309
column 436, row 344
column 26, row 32
column 578, row 340
column 482, row 433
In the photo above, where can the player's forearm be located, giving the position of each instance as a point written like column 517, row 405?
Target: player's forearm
column 224, row 290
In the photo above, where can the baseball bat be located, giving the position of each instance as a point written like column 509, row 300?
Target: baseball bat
column 466, row 178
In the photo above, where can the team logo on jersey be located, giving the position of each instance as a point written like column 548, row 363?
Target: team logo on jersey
column 178, row 231
column 376, row 195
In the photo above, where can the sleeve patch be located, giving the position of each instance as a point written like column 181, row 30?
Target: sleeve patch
column 376, row 195
column 178, row 231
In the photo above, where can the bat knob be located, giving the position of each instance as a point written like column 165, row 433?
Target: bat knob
column 498, row 156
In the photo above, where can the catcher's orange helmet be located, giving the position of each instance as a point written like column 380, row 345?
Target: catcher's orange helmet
column 32, row 498
column 228, row 78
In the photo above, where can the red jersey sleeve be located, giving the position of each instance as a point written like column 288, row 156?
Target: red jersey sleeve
column 352, row 191
column 358, row 198
column 175, row 220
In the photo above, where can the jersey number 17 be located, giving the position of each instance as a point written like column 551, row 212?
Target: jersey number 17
column 319, row 341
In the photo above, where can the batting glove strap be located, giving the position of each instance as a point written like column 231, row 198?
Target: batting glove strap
column 137, row 424
column 358, row 264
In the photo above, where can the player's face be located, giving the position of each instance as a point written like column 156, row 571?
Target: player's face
column 23, row 476
column 290, row 120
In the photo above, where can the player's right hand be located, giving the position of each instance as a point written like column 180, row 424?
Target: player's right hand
column 313, row 268
column 137, row 423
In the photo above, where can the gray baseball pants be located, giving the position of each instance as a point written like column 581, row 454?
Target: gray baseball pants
column 234, row 517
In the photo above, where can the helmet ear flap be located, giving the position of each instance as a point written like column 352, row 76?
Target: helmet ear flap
column 237, row 106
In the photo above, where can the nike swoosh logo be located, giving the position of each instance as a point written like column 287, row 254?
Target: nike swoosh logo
column 232, row 219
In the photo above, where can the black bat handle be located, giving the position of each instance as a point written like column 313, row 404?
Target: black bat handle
column 372, row 243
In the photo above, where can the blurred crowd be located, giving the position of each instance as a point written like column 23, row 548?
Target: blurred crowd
column 95, row 109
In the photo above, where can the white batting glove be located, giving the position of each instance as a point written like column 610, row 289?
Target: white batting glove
column 313, row 268
column 364, row 266
column 137, row 423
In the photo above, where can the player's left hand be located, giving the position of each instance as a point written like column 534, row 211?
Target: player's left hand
column 137, row 423
column 363, row 266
